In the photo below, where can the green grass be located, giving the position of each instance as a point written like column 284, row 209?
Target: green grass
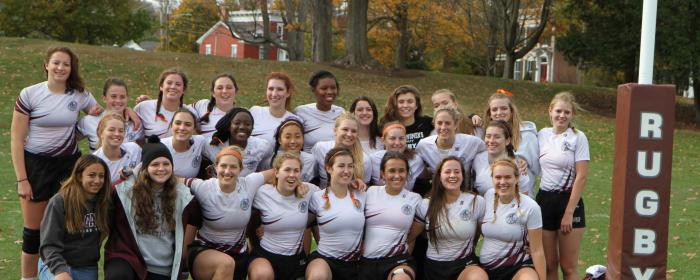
column 21, row 65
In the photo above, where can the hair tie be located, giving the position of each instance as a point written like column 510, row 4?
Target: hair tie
column 227, row 152
column 503, row 91
column 392, row 126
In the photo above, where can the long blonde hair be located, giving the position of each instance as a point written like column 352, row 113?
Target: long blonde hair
column 514, row 119
column 356, row 149
column 75, row 198
column 108, row 116
column 567, row 97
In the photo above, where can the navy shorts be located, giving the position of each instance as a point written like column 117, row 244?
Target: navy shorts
column 380, row 268
column 340, row 269
column 285, row 267
column 446, row 270
column 553, row 205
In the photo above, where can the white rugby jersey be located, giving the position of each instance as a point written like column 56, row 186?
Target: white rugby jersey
column 265, row 123
column 186, row 164
column 558, row 157
column 455, row 242
column 52, row 118
column 284, row 217
column 321, row 149
column 483, row 181
column 341, row 226
column 199, row 108
column 415, row 166
column 152, row 125
column 388, row 219
column 378, row 146
column 318, row 125
column 256, row 155
column 87, row 126
column 529, row 150
column 505, row 241
column 465, row 148
column 225, row 216
column 130, row 158
column 308, row 168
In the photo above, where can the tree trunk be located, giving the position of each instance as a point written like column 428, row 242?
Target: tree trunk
column 356, row 50
column 265, row 49
column 322, row 30
column 514, row 45
column 696, row 97
column 296, row 14
column 401, row 15
column 508, row 65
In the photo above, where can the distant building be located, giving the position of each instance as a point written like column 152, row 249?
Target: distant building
column 220, row 40
column 133, row 45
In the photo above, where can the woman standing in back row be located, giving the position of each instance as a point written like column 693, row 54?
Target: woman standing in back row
column 156, row 115
column 278, row 94
column 405, row 107
column 319, row 117
column 223, row 98
column 44, row 143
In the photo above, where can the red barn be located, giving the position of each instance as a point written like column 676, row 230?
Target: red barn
column 220, row 40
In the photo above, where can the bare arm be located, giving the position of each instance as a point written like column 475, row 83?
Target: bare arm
column 18, row 134
column 537, row 252
column 416, row 229
column 133, row 117
column 576, row 193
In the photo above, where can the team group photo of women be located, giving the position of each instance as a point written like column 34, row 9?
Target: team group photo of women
column 165, row 189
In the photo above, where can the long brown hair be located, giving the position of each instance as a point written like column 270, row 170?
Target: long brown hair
column 212, row 100
column 287, row 83
column 373, row 126
column 161, row 80
column 507, row 134
column 74, row 82
column 143, row 202
column 509, row 163
column 391, row 106
column 328, row 163
column 437, row 210
column 515, row 116
column 75, row 198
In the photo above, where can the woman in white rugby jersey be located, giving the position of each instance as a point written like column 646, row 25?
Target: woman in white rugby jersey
column 44, row 143
column 289, row 137
column 366, row 112
column 117, row 154
column 223, row 98
column 156, row 115
column 234, row 129
column 346, row 127
column 319, row 117
column 114, row 95
column 512, row 229
column 447, row 142
column 501, row 107
column 564, row 157
column 185, row 147
column 278, row 94
column 339, row 212
column 466, row 125
column 389, row 213
column 452, row 215
column 499, row 145
column 280, row 254
column 394, row 140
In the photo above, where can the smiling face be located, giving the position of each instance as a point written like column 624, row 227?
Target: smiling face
column 406, row 105
column 183, row 126
column 240, row 129
column 326, row 91
column 227, row 170
column 561, row 113
column 288, row 175
column 394, row 140
column 445, row 125
column 113, row 133
column 342, row 170
column 495, row 140
column 395, row 173
column 442, row 99
column 451, row 176
column 291, row 138
column 173, row 87
column 224, row 91
column 346, row 133
column 92, row 179
column 504, row 180
column 364, row 113
column 159, row 170
column 59, row 66
column 276, row 93
column 116, row 98
column 500, row 110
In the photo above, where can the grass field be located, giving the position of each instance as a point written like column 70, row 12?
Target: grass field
column 21, row 65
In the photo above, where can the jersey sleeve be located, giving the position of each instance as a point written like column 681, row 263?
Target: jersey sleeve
column 582, row 152
column 529, row 150
column 24, row 104
column 88, row 102
column 253, row 182
column 260, row 200
column 534, row 217
column 480, row 208
column 524, row 183
column 196, row 185
column 422, row 211
column 82, row 126
column 314, row 203
column 376, row 160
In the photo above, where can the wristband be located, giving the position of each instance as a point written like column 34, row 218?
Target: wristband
column 22, row 180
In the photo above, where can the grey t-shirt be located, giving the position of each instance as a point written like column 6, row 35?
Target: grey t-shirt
column 158, row 247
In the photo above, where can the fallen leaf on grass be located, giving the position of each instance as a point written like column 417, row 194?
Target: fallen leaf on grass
column 676, row 237
column 690, row 255
column 19, row 241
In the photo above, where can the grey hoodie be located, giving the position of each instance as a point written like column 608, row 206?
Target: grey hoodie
column 529, row 150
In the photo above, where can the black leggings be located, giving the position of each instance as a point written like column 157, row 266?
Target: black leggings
column 119, row 269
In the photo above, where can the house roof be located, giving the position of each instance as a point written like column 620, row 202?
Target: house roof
column 133, row 45
column 210, row 31
column 246, row 31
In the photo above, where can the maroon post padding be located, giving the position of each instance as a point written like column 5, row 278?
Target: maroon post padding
column 641, row 185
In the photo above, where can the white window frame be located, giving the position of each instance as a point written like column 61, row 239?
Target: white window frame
column 234, row 50
column 207, row 49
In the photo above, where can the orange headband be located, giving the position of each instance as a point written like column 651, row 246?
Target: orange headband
column 227, row 152
column 392, row 126
column 503, row 91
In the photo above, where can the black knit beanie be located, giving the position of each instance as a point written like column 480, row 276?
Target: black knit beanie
column 154, row 149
